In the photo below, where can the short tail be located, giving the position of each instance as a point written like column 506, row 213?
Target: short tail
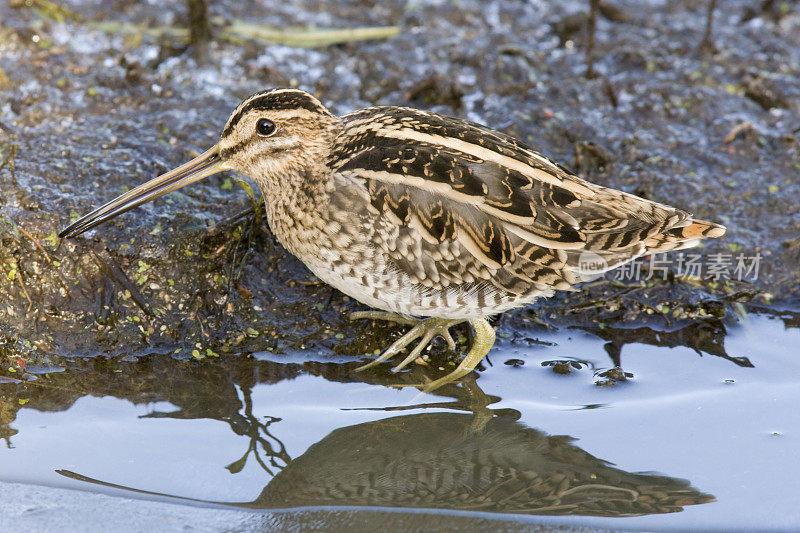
column 688, row 234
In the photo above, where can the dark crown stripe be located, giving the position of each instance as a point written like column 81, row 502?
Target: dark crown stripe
column 275, row 100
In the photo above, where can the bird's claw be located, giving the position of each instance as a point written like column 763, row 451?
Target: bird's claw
column 425, row 330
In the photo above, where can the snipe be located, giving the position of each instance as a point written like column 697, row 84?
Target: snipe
column 421, row 215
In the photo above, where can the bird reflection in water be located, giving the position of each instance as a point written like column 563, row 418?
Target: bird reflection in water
column 478, row 460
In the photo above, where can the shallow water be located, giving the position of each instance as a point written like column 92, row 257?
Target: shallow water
column 270, row 431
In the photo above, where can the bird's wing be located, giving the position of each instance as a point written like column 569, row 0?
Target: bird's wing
column 473, row 204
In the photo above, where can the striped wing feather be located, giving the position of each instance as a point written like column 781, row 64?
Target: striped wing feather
column 473, row 205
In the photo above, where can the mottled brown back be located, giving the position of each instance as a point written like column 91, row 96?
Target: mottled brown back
column 477, row 209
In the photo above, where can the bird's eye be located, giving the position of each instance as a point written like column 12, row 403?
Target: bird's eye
column 265, row 127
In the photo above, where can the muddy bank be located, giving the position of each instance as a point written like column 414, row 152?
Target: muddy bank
column 86, row 113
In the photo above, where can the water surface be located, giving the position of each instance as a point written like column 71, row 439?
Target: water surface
column 691, row 440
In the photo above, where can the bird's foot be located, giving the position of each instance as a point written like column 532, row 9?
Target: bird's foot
column 425, row 330
column 484, row 340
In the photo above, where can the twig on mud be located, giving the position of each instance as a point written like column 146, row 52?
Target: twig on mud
column 36, row 242
column 219, row 226
column 707, row 44
column 48, row 9
column 233, row 276
column 255, row 208
column 199, row 29
column 593, row 5
column 203, row 333
column 116, row 274
column 736, row 130
column 238, row 31
column 24, row 291
column 5, row 83
column 9, row 160
column 39, row 245
column 304, row 37
column 312, row 283
column 219, row 250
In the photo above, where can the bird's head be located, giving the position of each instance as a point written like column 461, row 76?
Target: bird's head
column 275, row 134
column 271, row 137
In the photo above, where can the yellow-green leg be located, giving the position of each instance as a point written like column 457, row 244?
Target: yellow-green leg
column 484, row 340
column 425, row 329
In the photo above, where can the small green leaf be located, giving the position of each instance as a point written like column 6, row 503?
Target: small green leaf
column 51, row 239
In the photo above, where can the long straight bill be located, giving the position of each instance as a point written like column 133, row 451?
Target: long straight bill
column 200, row 167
